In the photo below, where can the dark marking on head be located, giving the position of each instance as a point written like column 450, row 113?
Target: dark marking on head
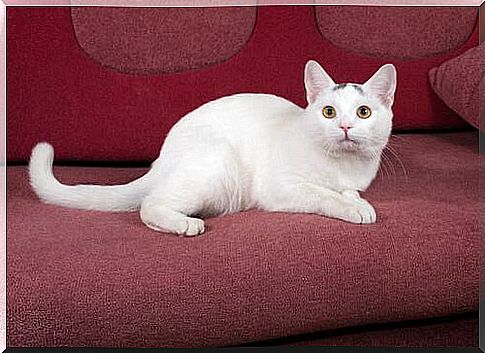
column 358, row 89
column 340, row 86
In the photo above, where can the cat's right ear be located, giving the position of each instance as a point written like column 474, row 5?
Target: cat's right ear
column 316, row 80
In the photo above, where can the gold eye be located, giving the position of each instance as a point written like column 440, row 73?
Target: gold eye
column 364, row 112
column 329, row 112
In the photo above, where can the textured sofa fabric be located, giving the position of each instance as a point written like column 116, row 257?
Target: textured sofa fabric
column 402, row 33
column 161, row 40
column 58, row 93
column 459, row 331
column 80, row 278
column 458, row 83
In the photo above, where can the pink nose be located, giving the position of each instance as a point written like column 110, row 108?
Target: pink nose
column 346, row 128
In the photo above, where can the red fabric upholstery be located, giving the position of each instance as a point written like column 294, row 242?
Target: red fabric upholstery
column 160, row 40
column 57, row 93
column 82, row 278
column 450, row 333
column 396, row 32
column 458, row 83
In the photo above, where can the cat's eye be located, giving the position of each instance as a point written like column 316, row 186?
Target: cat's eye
column 329, row 112
column 364, row 112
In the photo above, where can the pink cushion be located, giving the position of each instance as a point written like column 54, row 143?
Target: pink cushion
column 80, row 278
column 457, row 82
column 396, row 32
column 160, row 40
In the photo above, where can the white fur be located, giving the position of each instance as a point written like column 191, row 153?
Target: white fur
column 251, row 151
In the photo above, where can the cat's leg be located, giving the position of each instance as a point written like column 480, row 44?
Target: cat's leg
column 312, row 198
column 208, row 184
column 166, row 216
column 354, row 195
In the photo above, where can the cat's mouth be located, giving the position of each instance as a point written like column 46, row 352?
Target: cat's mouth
column 348, row 143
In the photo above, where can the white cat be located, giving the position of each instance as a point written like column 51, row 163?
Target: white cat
column 253, row 151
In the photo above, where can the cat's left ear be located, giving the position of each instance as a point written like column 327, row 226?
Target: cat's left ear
column 316, row 80
column 383, row 84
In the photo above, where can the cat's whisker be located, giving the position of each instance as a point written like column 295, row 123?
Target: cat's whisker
column 376, row 158
column 383, row 167
column 394, row 153
column 388, row 160
column 398, row 138
column 383, row 170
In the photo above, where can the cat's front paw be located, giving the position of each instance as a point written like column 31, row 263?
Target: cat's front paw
column 359, row 211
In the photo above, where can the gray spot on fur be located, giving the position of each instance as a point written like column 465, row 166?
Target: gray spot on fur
column 339, row 86
column 343, row 85
column 359, row 89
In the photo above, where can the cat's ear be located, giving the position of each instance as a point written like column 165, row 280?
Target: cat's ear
column 316, row 80
column 383, row 84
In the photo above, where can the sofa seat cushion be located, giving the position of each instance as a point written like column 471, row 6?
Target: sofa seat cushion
column 450, row 331
column 84, row 278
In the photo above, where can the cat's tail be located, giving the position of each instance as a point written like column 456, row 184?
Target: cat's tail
column 127, row 197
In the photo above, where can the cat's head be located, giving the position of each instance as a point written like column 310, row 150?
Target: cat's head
column 351, row 116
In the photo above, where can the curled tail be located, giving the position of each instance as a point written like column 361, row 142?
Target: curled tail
column 127, row 197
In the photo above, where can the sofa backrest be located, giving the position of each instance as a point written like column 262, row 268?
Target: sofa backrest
column 109, row 83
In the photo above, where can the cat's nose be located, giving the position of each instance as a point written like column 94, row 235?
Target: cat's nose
column 346, row 128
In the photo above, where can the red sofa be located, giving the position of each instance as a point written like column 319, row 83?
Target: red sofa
column 104, row 86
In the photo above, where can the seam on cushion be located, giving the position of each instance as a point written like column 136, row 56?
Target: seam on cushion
column 395, row 59
column 150, row 72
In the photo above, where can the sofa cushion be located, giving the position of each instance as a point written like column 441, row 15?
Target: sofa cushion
column 81, row 278
column 392, row 32
column 161, row 40
column 453, row 331
column 458, row 81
